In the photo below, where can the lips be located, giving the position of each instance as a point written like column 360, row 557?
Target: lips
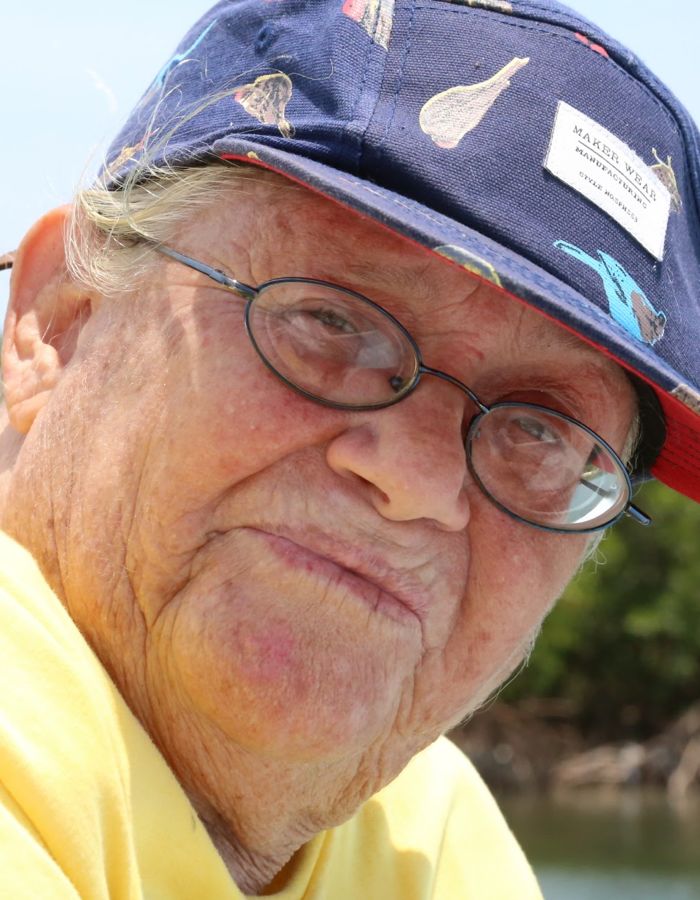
column 385, row 589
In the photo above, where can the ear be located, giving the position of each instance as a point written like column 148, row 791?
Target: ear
column 45, row 315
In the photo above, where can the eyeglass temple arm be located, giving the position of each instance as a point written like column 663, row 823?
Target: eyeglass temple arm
column 243, row 290
column 634, row 512
column 238, row 287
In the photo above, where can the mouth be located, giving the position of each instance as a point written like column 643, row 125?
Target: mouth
column 370, row 588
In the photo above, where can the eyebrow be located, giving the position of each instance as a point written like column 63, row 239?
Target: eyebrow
column 391, row 277
column 569, row 340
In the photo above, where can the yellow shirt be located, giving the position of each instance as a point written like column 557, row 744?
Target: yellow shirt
column 89, row 809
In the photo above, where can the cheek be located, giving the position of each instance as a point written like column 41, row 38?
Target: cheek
column 227, row 416
column 516, row 575
column 530, row 574
column 209, row 418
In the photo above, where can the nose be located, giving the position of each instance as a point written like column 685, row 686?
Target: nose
column 410, row 457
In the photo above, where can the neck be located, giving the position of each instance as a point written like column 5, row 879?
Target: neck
column 10, row 445
column 25, row 508
column 259, row 812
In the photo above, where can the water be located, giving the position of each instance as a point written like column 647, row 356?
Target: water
column 565, row 884
column 609, row 845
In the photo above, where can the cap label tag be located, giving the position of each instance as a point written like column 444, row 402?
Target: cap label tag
column 607, row 172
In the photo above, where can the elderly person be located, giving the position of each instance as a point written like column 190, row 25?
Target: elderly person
column 315, row 402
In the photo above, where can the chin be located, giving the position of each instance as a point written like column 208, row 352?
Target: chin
column 278, row 689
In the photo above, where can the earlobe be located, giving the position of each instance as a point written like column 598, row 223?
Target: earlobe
column 46, row 313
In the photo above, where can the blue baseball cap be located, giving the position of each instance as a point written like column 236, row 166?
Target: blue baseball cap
column 515, row 139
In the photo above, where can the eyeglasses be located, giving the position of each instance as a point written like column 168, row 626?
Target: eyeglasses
column 342, row 350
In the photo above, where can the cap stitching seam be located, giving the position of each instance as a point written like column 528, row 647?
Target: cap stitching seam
column 399, row 84
column 361, row 137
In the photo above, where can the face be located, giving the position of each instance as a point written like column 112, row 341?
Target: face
column 296, row 581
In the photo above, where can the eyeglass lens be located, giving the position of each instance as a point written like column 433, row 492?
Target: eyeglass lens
column 332, row 345
column 545, row 468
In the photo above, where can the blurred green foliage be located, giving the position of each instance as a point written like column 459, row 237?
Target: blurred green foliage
column 622, row 646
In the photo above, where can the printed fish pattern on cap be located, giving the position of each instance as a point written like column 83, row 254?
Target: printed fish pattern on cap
column 451, row 114
column 266, row 99
column 128, row 153
column 375, row 16
column 664, row 172
column 628, row 303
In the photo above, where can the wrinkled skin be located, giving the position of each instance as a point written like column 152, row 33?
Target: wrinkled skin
column 293, row 599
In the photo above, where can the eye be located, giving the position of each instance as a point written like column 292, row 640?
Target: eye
column 313, row 319
column 532, row 427
column 332, row 320
column 316, row 329
column 530, row 443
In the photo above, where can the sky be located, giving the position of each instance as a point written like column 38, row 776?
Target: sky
column 71, row 71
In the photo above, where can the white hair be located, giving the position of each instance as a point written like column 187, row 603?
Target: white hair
column 103, row 250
